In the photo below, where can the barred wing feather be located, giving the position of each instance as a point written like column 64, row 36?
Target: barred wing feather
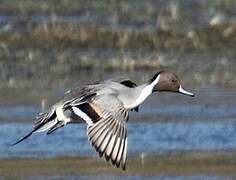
column 109, row 138
column 108, row 133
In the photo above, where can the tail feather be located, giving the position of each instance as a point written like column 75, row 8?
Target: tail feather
column 58, row 125
column 23, row 138
column 40, row 128
column 50, row 121
column 45, row 117
column 46, row 126
column 46, row 121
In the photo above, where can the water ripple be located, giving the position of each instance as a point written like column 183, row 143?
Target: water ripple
column 143, row 138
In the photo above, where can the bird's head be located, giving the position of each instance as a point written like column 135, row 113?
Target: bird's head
column 167, row 81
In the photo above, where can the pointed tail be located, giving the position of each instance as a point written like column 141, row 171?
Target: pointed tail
column 23, row 138
column 58, row 116
column 45, row 121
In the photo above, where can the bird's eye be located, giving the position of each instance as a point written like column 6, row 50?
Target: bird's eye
column 173, row 80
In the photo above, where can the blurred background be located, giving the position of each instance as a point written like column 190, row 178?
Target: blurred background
column 49, row 47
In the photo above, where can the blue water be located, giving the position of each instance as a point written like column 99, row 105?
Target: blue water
column 199, row 112
column 20, row 112
column 145, row 138
column 196, row 111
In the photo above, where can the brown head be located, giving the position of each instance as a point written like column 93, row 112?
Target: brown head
column 167, row 81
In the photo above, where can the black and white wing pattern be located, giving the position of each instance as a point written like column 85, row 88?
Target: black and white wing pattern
column 107, row 127
column 61, row 113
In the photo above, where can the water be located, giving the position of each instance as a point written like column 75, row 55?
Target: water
column 158, row 137
column 177, row 124
column 18, row 112
column 166, row 124
column 192, row 112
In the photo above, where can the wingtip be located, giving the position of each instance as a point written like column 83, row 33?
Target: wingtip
column 124, row 167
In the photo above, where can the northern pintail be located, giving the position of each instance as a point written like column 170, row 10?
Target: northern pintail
column 105, row 107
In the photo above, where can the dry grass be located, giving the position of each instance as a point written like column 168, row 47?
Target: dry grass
column 62, row 49
column 219, row 164
column 65, row 35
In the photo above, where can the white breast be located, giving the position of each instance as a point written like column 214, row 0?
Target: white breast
column 145, row 92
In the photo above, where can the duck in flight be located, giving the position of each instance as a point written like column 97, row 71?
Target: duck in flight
column 105, row 107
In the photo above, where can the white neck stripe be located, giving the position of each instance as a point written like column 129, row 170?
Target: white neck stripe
column 147, row 90
column 155, row 81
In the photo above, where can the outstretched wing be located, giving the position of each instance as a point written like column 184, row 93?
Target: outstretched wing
column 107, row 127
